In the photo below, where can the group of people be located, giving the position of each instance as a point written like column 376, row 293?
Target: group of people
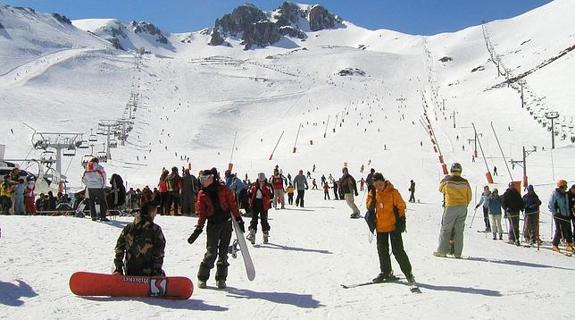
column 17, row 193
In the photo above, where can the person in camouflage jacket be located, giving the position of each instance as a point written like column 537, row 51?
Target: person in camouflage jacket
column 140, row 247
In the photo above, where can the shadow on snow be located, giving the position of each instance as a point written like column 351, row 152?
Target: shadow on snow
column 11, row 294
column 517, row 263
column 483, row 292
column 280, row 247
column 191, row 304
column 297, row 300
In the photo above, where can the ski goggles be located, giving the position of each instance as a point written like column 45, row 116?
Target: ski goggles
column 203, row 178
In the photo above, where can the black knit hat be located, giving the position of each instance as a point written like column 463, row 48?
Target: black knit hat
column 378, row 177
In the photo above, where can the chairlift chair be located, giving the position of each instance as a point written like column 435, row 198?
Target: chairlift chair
column 93, row 138
column 70, row 152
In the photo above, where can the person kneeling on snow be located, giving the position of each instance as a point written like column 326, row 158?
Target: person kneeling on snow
column 140, row 247
column 214, row 203
column 388, row 204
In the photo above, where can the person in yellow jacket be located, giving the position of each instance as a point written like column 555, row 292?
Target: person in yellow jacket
column 290, row 191
column 456, row 195
column 387, row 200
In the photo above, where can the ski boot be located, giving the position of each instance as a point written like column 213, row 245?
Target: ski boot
column 233, row 249
column 569, row 248
column 555, row 248
column 266, row 236
column 221, row 284
column 439, row 254
column 382, row 277
column 251, row 237
column 355, row 215
column 410, row 279
column 202, row 284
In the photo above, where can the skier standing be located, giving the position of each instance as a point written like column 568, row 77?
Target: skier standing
column 326, row 191
column 457, row 195
column 559, row 206
column 513, row 204
column 260, row 194
column 335, row 191
column 300, row 183
column 163, row 191
column 369, row 179
column 278, row 181
column 412, row 191
column 174, row 184
column 140, row 248
column 94, row 179
column 493, row 202
column 290, row 191
column 387, row 202
column 214, row 203
column 531, row 204
column 349, row 188
column 313, row 185
column 190, row 186
column 484, row 199
column 19, row 190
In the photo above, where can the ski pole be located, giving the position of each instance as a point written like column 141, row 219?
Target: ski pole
column 475, row 211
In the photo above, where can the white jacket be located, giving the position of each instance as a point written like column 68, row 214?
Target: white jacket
column 94, row 177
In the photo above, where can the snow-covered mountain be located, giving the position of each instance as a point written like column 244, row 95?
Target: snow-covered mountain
column 356, row 97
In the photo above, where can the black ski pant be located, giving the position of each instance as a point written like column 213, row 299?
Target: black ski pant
column 562, row 230
column 513, row 218
column 299, row 198
column 97, row 196
column 335, row 193
column 486, row 219
column 290, row 198
column 259, row 212
column 218, row 241
column 244, row 201
column 326, row 195
column 383, row 239
column 531, row 227
column 412, row 197
column 164, row 209
column 173, row 199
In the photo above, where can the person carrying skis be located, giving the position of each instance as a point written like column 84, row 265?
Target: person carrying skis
column 326, row 191
column 290, row 191
column 493, row 202
column 140, row 247
column 513, row 204
column 531, row 204
column 457, row 195
column 387, row 203
column 278, row 181
column 412, row 191
column 216, row 204
column 484, row 198
column 349, row 188
column 300, row 183
column 559, row 207
column 260, row 194
column 94, row 179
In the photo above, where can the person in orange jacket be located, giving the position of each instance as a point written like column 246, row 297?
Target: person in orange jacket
column 388, row 200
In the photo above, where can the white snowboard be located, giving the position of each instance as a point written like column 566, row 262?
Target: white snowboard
column 249, row 264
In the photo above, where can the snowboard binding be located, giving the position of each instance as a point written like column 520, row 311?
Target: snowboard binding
column 234, row 248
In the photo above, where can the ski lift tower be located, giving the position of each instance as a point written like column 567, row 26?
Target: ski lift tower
column 552, row 115
column 124, row 125
column 59, row 141
column 108, row 126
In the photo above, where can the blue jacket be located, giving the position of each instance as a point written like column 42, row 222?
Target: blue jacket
column 237, row 185
column 494, row 205
column 559, row 203
column 484, row 198
column 531, row 203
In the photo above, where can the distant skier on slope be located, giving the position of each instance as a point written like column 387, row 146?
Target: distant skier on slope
column 349, row 189
column 387, row 202
column 457, row 195
column 260, row 194
column 140, row 248
column 411, row 191
column 216, row 204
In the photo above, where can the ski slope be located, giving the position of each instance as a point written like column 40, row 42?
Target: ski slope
column 195, row 97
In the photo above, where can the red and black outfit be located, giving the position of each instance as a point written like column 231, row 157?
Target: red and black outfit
column 260, row 198
column 214, row 204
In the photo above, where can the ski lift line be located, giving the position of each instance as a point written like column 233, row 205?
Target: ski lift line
column 481, row 148
column 502, row 154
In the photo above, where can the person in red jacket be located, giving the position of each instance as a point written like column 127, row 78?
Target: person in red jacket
column 260, row 194
column 163, row 188
column 216, row 204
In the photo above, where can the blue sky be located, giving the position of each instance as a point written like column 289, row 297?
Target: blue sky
column 409, row 16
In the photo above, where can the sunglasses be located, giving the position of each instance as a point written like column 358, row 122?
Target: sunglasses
column 203, row 178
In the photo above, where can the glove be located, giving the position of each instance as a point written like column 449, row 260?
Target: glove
column 356, row 194
column 241, row 225
column 195, row 234
column 477, row 206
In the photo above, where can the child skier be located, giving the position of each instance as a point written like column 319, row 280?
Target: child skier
column 290, row 191
column 140, row 247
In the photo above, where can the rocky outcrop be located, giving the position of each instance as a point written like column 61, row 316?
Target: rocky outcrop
column 320, row 19
column 149, row 28
column 61, row 18
column 257, row 28
column 351, row 72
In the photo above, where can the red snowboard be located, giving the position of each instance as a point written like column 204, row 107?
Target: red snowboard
column 110, row 285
